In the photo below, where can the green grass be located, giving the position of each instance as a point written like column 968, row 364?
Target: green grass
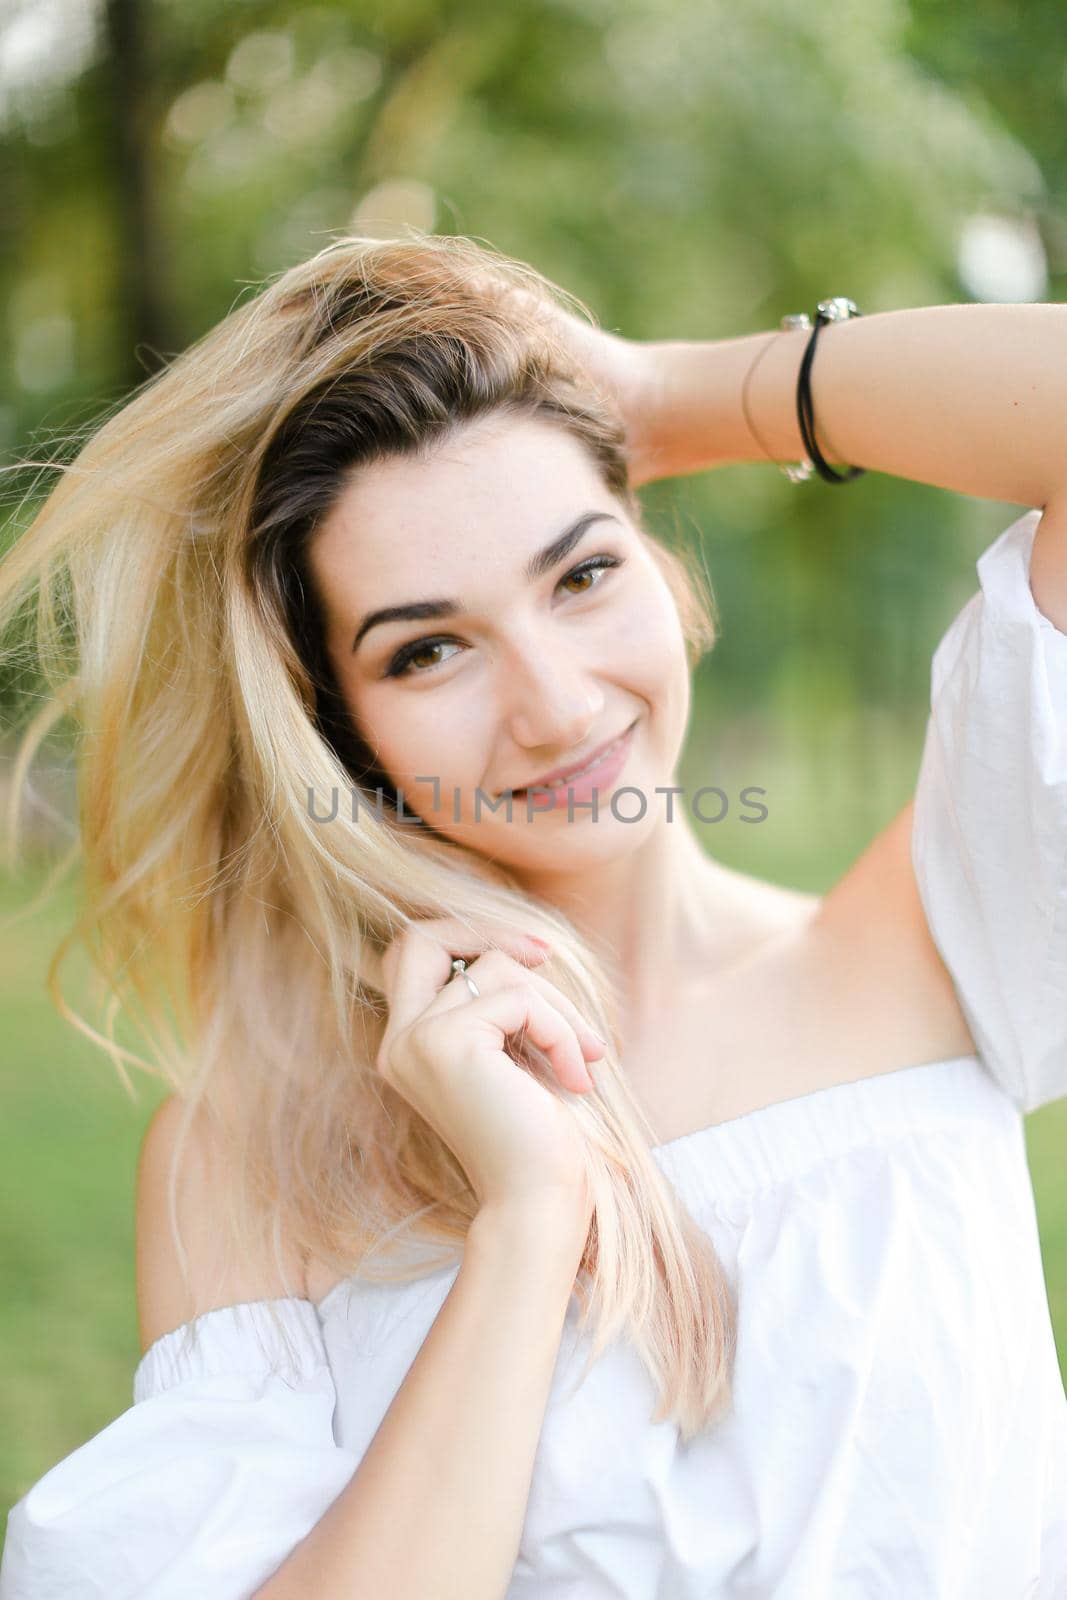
column 69, row 1137
column 68, row 1147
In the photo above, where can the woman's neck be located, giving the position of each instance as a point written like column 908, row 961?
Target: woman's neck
column 651, row 916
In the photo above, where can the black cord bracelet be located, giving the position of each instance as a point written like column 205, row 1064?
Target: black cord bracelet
column 835, row 310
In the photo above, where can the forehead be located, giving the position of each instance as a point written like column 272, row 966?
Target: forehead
column 499, row 489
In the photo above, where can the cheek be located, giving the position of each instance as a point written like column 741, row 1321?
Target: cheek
column 655, row 646
column 657, row 667
column 419, row 735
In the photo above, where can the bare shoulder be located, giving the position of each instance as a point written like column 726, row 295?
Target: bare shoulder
column 873, row 918
column 164, row 1298
column 811, row 992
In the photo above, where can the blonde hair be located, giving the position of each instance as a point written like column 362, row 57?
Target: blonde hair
column 176, row 624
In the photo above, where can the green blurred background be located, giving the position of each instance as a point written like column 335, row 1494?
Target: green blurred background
column 692, row 169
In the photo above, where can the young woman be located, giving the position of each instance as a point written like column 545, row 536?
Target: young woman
column 442, row 1295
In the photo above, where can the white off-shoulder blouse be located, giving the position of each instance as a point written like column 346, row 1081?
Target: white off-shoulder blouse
column 899, row 1425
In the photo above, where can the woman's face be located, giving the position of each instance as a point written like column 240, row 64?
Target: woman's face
column 544, row 631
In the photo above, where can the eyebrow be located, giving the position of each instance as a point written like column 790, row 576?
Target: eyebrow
column 540, row 563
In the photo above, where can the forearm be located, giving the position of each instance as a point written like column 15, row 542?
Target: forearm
column 437, row 1504
column 971, row 398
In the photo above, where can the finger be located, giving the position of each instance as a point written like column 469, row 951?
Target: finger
column 418, row 963
column 521, row 1010
column 488, row 972
column 592, row 1044
column 460, row 938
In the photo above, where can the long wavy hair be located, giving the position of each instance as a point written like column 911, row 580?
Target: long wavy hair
column 173, row 620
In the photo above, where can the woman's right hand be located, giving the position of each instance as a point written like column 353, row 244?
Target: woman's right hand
column 443, row 1050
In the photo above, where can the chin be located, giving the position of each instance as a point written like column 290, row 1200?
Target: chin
column 583, row 845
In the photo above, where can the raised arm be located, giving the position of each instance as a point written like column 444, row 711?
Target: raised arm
column 965, row 397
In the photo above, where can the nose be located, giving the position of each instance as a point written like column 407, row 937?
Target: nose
column 552, row 703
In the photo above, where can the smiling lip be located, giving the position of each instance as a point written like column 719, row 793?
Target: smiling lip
column 564, row 775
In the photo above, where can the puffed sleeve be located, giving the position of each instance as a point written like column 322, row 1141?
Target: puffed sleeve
column 226, row 1459
column 989, row 826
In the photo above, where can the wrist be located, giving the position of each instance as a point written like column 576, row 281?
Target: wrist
column 651, row 428
column 646, row 411
column 694, row 413
column 542, row 1232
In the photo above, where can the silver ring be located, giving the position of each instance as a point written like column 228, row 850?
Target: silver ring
column 459, row 968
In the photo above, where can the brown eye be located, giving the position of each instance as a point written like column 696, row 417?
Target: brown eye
column 416, row 653
column 588, row 569
column 585, row 573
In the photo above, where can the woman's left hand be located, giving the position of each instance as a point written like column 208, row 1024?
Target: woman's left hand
column 621, row 367
column 624, row 368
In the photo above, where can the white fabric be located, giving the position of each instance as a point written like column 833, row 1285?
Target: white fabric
column 223, row 1464
column 899, row 1425
column 990, row 829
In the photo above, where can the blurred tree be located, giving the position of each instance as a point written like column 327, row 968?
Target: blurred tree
column 141, row 291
